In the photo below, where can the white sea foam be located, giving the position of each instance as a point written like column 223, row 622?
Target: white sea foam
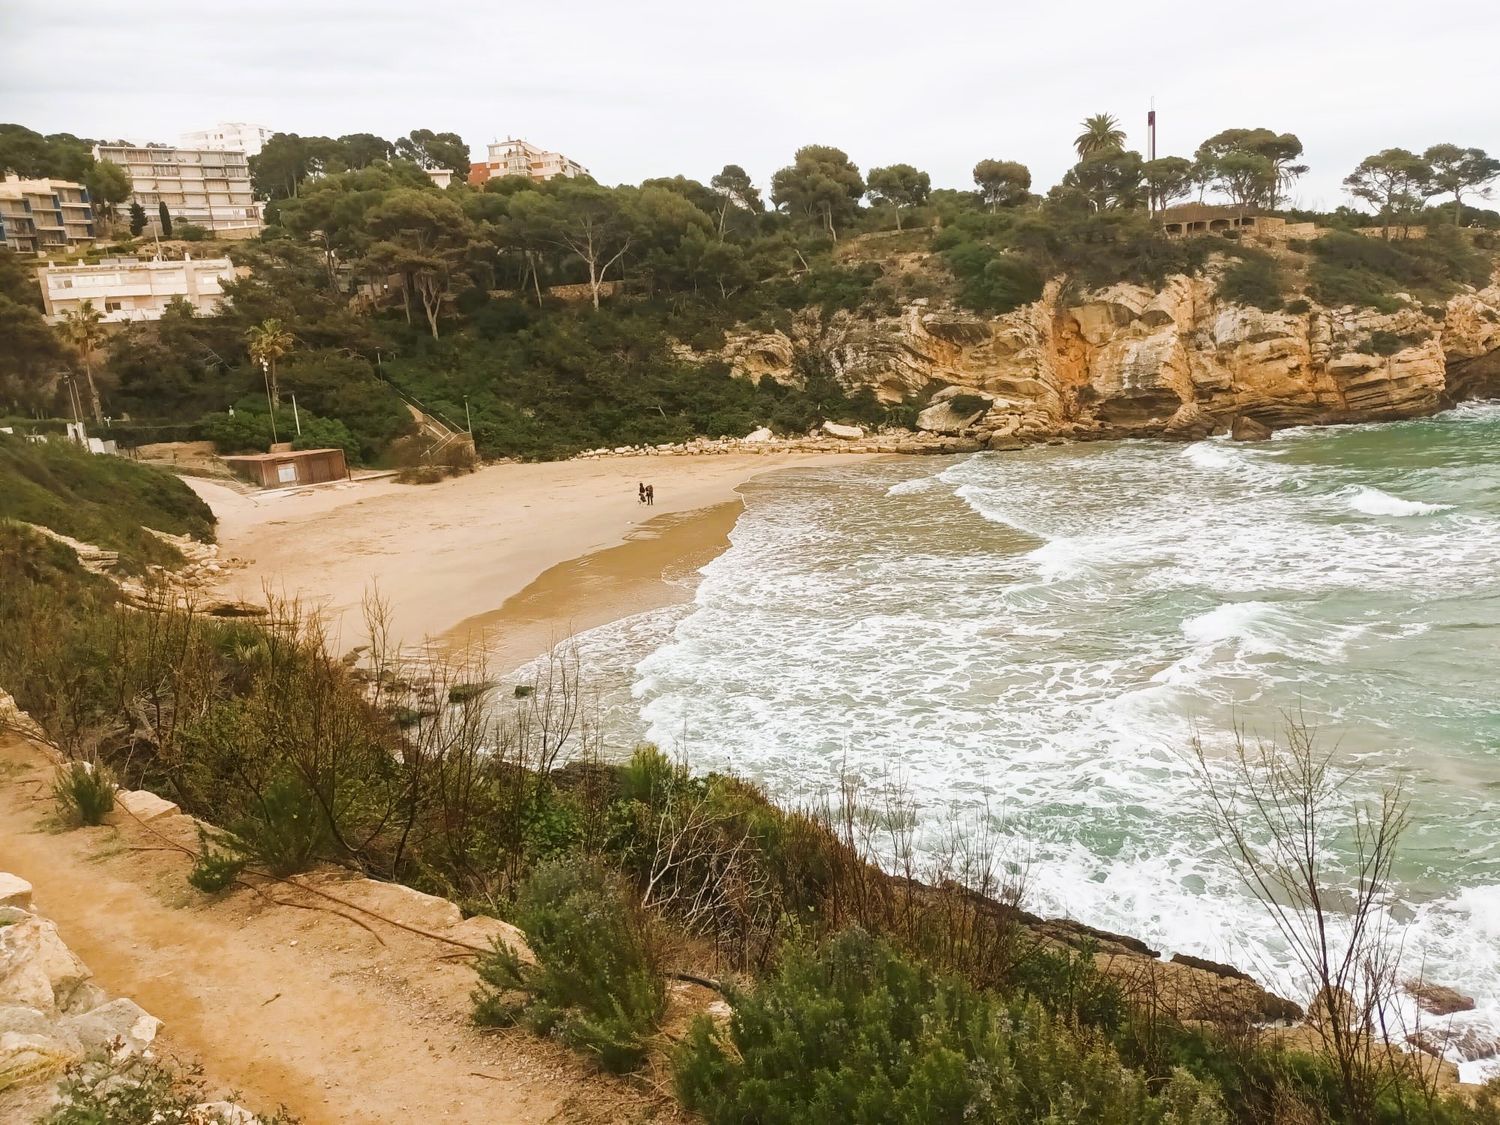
column 1374, row 502
column 1232, row 620
column 1211, row 455
column 914, row 485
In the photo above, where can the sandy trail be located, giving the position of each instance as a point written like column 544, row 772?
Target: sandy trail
column 444, row 553
column 285, row 1005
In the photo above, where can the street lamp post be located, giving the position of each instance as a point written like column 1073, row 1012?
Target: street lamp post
column 265, row 371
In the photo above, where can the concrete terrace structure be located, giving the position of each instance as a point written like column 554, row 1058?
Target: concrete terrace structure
column 45, row 216
column 209, row 187
column 241, row 136
column 515, row 157
column 1189, row 219
column 127, row 289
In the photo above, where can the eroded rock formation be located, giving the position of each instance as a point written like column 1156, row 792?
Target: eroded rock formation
column 1134, row 361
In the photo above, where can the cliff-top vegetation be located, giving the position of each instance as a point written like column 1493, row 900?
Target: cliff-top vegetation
column 569, row 314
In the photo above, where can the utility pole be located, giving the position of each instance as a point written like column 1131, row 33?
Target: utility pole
column 265, row 370
column 1151, row 150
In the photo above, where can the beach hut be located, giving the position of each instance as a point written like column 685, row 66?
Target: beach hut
column 287, row 467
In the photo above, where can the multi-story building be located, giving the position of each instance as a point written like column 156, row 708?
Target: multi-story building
column 209, row 187
column 514, row 157
column 242, row 136
column 45, row 216
column 124, row 289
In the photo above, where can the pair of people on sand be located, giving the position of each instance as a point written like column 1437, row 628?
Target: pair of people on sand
column 647, row 494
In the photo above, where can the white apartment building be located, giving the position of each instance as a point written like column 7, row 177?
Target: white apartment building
column 37, row 216
column 209, row 187
column 127, row 289
column 242, row 136
column 515, row 157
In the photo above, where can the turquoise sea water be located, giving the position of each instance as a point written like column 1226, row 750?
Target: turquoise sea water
column 1038, row 637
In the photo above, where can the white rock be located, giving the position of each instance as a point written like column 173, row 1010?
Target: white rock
column 844, row 433
column 762, row 434
column 36, row 969
column 14, row 891
column 223, row 1113
column 141, row 805
column 123, row 1020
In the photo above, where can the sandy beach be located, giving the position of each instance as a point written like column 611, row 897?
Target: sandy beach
column 514, row 557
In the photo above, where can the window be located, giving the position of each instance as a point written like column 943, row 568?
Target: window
column 287, row 473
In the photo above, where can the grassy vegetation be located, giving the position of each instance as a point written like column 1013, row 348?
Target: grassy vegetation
column 1254, row 279
column 857, row 1033
column 106, row 501
column 1355, row 269
column 85, row 791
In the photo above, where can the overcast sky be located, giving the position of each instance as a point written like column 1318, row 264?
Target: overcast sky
column 638, row 88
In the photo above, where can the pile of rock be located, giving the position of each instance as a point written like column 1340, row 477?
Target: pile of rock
column 51, row 1013
column 831, row 437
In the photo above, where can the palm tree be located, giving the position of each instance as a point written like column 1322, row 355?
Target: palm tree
column 83, row 329
column 268, row 342
column 1101, row 135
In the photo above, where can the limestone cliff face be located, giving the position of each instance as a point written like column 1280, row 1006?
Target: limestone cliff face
column 1130, row 360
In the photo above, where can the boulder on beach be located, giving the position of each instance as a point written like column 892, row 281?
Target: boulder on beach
column 953, row 410
column 842, row 432
column 760, row 435
column 1190, row 422
column 1438, row 999
column 1248, row 429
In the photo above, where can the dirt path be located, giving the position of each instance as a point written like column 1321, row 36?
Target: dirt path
column 285, row 1004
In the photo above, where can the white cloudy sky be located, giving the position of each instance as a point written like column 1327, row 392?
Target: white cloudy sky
column 635, row 88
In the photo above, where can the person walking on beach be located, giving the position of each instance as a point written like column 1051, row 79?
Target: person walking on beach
column 642, row 487
column 651, row 496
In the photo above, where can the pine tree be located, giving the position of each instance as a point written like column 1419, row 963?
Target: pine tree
column 137, row 218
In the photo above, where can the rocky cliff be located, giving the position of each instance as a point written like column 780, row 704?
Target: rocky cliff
column 1132, row 361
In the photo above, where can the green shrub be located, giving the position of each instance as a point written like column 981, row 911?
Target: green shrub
column 1299, row 306
column 1254, row 280
column 1382, row 342
column 102, row 1089
column 286, row 829
column 649, row 776
column 1359, row 270
column 219, row 863
column 596, row 984
column 859, row 1034
column 85, row 791
column 191, row 232
column 1336, row 286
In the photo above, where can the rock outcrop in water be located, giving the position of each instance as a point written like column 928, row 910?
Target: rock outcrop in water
column 1129, row 360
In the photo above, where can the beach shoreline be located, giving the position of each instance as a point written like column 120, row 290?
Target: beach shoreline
column 511, row 558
